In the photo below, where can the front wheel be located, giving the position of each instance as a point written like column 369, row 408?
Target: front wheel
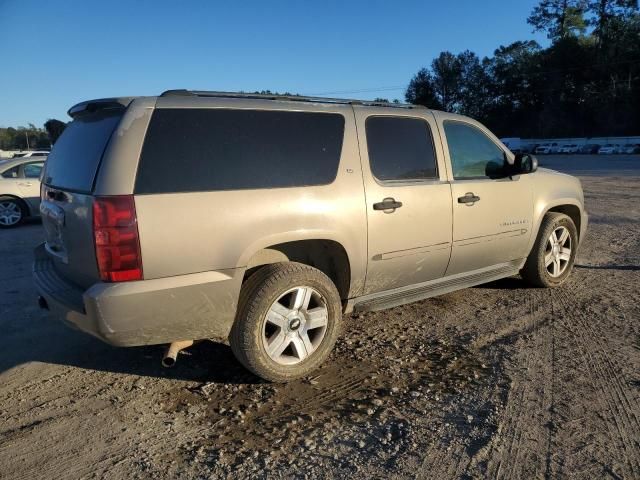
column 553, row 254
column 287, row 322
column 12, row 212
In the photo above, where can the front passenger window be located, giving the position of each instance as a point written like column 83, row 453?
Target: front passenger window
column 473, row 154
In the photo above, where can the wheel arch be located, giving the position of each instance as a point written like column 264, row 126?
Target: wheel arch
column 24, row 204
column 327, row 255
column 569, row 206
column 572, row 211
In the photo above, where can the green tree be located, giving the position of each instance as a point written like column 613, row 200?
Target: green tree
column 447, row 77
column 606, row 15
column 559, row 18
column 422, row 91
column 474, row 85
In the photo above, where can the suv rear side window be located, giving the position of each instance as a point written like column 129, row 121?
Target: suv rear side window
column 189, row 150
column 74, row 160
column 473, row 154
column 400, row 148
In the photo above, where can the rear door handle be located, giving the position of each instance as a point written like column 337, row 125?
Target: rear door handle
column 25, row 184
column 469, row 198
column 387, row 204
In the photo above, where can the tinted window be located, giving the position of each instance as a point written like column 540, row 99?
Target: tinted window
column 74, row 160
column 39, row 154
column 472, row 153
column 221, row 149
column 32, row 170
column 400, row 148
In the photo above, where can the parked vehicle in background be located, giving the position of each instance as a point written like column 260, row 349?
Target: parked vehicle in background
column 589, row 148
column 514, row 144
column 608, row 149
column 38, row 153
column 630, row 149
column 284, row 214
column 569, row 148
column 19, row 189
column 546, row 148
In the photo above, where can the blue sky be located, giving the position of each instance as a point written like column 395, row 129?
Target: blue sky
column 60, row 52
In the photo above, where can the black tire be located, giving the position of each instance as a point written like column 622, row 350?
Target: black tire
column 258, row 294
column 535, row 271
column 19, row 205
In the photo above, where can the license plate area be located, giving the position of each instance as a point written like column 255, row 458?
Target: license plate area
column 53, row 220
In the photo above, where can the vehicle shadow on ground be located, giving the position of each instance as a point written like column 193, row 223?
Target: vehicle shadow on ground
column 509, row 283
column 205, row 361
column 610, row 267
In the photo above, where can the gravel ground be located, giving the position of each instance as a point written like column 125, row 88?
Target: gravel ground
column 497, row 381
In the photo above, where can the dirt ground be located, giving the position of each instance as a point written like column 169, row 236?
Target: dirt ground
column 498, row 381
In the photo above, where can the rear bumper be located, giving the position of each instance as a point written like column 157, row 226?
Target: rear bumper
column 145, row 312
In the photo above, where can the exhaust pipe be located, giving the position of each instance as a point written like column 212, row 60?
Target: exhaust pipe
column 171, row 355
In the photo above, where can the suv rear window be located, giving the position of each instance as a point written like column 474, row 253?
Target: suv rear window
column 74, row 160
column 188, row 150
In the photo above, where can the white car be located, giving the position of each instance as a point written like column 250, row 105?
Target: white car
column 546, row 148
column 631, row 148
column 569, row 148
column 19, row 189
column 608, row 149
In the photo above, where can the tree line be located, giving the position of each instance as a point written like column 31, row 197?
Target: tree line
column 586, row 83
column 31, row 137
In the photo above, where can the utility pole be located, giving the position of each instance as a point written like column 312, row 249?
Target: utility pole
column 26, row 134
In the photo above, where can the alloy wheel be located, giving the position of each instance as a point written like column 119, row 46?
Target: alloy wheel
column 557, row 253
column 10, row 213
column 295, row 325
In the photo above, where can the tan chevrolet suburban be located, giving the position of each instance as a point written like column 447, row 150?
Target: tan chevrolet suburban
column 260, row 220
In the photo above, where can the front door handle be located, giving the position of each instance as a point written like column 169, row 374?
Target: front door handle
column 387, row 204
column 469, row 198
column 25, row 184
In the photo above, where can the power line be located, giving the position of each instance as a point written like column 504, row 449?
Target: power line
column 362, row 90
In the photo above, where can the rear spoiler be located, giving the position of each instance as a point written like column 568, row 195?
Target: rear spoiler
column 91, row 106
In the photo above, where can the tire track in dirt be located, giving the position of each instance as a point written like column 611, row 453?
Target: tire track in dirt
column 512, row 444
column 452, row 460
column 442, row 461
column 330, row 393
column 613, row 397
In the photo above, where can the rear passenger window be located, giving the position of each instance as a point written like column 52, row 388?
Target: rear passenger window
column 188, row 150
column 400, row 148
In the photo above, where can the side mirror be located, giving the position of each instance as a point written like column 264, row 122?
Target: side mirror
column 524, row 163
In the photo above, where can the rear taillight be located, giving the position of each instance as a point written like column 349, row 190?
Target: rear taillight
column 115, row 231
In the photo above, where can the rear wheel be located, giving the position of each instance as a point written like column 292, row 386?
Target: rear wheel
column 553, row 255
column 12, row 212
column 287, row 323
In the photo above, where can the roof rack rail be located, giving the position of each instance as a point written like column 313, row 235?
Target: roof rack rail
column 290, row 98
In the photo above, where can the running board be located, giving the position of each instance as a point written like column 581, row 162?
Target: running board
column 433, row 288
